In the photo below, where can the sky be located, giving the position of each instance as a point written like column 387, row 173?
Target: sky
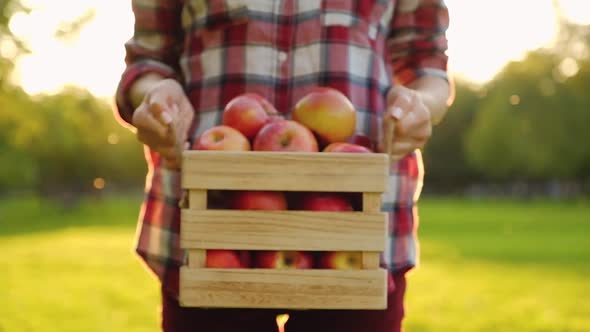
column 483, row 36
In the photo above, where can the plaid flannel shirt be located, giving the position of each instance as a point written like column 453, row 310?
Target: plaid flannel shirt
column 281, row 50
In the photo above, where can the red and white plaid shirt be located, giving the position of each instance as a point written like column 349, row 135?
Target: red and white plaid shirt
column 281, row 50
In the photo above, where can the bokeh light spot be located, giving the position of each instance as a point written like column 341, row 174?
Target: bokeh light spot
column 99, row 183
column 113, row 139
column 514, row 100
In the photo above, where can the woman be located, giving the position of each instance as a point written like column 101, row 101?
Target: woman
column 188, row 58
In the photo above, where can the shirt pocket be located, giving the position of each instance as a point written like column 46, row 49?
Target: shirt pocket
column 338, row 13
column 367, row 17
column 214, row 14
column 342, row 22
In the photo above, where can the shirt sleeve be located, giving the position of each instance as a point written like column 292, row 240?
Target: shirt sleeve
column 417, row 42
column 154, row 47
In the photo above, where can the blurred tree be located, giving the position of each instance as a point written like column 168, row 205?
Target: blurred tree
column 17, row 166
column 444, row 155
column 532, row 125
column 533, row 122
column 10, row 46
column 13, row 47
column 58, row 145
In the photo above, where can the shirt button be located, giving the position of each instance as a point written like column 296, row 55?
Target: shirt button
column 282, row 56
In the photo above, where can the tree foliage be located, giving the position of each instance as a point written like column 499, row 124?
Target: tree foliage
column 62, row 143
column 535, row 121
column 444, row 155
column 530, row 123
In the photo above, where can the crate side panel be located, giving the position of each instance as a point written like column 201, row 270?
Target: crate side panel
column 283, row 230
column 295, row 171
column 285, row 289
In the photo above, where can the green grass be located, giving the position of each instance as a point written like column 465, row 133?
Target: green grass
column 501, row 266
column 486, row 266
column 73, row 271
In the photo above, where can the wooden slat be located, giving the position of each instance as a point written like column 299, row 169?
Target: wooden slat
column 197, row 258
column 283, row 230
column 370, row 260
column 371, row 202
column 292, row 171
column 284, row 289
column 197, row 199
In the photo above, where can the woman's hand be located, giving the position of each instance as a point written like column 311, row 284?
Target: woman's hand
column 163, row 119
column 406, row 110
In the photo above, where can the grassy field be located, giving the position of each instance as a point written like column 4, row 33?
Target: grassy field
column 486, row 266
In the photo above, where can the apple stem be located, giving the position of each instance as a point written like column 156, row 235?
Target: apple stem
column 285, row 141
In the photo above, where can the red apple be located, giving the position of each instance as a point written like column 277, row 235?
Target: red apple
column 259, row 200
column 268, row 107
column 222, row 138
column 283, row 260
column 346, row 147
column 340, row 260
column 285, row 135
column 361, row 139
column 227, row 259
column 332, row 202
column 328, row 113
column 219, row 199
column 248, row 113
column 318, row 201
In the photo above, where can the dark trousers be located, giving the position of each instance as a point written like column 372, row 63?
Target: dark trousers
column 179, row 319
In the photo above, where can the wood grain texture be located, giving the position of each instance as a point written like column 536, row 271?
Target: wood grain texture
column 284, row 289
column 292, row 171
column 203, row 229
column 283, row 230
column 197, row 199
column 371, row 202
column 370, row 260
column 197, row 258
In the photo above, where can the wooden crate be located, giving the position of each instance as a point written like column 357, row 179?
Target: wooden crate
column 362, row 231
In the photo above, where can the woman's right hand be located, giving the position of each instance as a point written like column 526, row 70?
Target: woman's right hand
column 163, row 119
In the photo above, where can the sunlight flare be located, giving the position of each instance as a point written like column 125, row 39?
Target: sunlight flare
column 281, row 321
column 483, row 37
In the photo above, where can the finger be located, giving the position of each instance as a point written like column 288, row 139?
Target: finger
column 157, row 106
column 400, row 107
column 399, row 101
column 414, row 124
column 422, row 133
column 153, row 140
column 177, row 145
column 171, row 164
column 169, row 153
column 402, row 148
column 177, row 123
column 143, row 120
column 387, row 135
column 185, row 120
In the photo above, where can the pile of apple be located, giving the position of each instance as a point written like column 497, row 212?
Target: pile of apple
column 322, row 121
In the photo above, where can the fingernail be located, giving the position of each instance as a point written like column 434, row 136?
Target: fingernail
column 397, row 112
column 166, row 117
